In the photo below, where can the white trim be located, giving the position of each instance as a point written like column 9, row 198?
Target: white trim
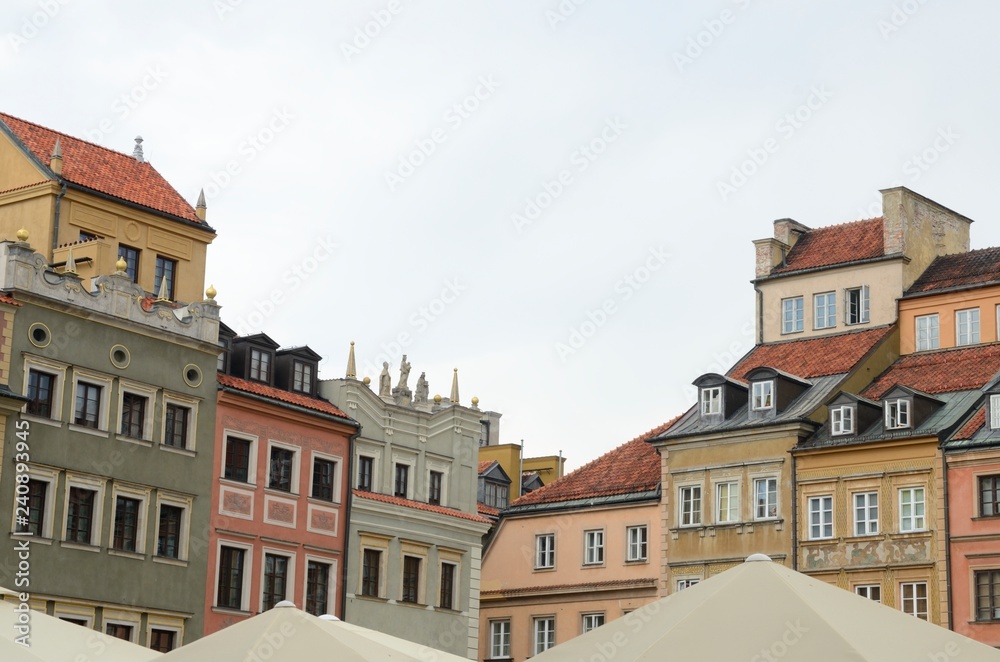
column 141, row 494
column 777, row 499
column 104, row 383
column 295, row 484
column 916, row 522
column 550, row 553
column 866, row 520
column 191, row 439
column 93, row 484
column 973, row 325
column 826, row 517
column 247, row 572
column 252, row 456
column 711, row 396
column 122, row 618
column 694, row 513
column 733, row 493
column 57, row 370
column 338, row 471
column 932, row 332
column 762, row 399
column 841, row 420
column 593, row 548
column 640, row 544
column 289, row 573
column 185, row 504
column 143, row 391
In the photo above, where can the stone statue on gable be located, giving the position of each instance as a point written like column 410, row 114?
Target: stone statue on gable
column 384, row 380
column 421, row 395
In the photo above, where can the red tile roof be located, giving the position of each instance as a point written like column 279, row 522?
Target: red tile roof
column 960, row 270
column 835, row 244
column 972, row 427
column 813, row 357
column 609, row 583
column 632, row 467
column 9, row 301
column 489, row 511
column 113, row 173
column 26, row 186
column 948, row 370
column 418, row 505
column 297, row 399
column 484, row 466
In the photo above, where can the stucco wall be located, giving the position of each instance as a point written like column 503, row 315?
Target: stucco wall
column 986, row 299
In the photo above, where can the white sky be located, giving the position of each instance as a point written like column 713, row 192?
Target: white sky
column 198, row 79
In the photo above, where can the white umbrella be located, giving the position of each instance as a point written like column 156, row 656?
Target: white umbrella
column 287, row 634
column 763, row 611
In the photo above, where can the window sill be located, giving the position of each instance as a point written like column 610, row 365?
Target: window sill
column 545, row 569
column 237, row 483
column 592, row 566
column 413, row 605
column 68, row 544
column 166, row 560
column 276, row 492
column 324, row 502
column 91, row 431
column 33, row 539
column 371, row 598
column 41, row 420
column 178, row 451
column 985, row 518
column 637, row 561
column 230, row 610
column 148, row 443
column 903, row 535
column 126, row 554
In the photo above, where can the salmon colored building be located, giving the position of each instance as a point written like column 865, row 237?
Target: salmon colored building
column 574, row 554
column 279, row 515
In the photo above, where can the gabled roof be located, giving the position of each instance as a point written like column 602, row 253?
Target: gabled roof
column 947, row 370
column 835, row 244
column 257, row 338
column 813, row 357
column 303, row 351
column 633, row 467
column 959, row 271
column 419, row 505
column 101, row 169
column 287, row 397
column 484, row 466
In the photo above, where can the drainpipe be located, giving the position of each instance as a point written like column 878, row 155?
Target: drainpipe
column 947, row 536
column 55, row 229
column 795, row 519
column 347, row 525
column 520, row 472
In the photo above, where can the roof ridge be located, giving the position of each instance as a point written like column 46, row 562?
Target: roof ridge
column 881, row 219
column 64, row 135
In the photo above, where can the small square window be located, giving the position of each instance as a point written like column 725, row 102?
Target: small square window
column 871, row 591
column 711, row 400
column 792, row 315
column 897, row 414
column 842, row 420
column 763, row 396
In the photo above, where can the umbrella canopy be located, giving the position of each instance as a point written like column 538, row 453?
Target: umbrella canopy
column 53, row 640
column 763, row 611
column 287, row 634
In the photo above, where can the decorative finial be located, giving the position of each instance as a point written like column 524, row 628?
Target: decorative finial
column 22, row 235
column 454, row 386
column 201, row 209
column 162, row 295
column 121, row 266
column 211, row 292
column 475, row 401
column 367, row 380
column 56, row 162
column 137, row 152
column 70, row 263
column 437, row 399
column 352, row 370
column 57, row 150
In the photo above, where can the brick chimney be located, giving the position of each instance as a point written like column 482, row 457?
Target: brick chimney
column 788, row 231
column 772, row 251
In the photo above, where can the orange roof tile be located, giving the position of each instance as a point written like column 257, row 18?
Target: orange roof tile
column 484, row 465
column 9, row 301
column 288, row 397
column 632, row 467
column 835, row 244
column 945, row 371
column 609, row 583
column 972, row 427
column 26, row 186
column 419, row 505
column 960, row 270
column 101, row 169
column 489, row 511
column 813, row 357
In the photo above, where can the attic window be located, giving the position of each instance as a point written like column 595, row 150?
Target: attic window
column 995, row 412
column 842, row 420
column 260, row 365
column 897, row 414
column 711, row 400
column 302, row 374
column 763, row 395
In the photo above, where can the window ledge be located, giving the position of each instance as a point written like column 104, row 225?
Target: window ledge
column 166, row 560
column 903, row 535
column 371, row 598
column 237, row 483
column 637, row 561
column 277, row 492
column 324, row 502
column 985, row 518
column 413, row 605
column 91, row 431
column 592, row 566
column 229, row 610
column 178, row 451
column 41, row 420
column 148, row 443
column 31, row 539
column 68, row 544
column 545, row 569
column 128, row 555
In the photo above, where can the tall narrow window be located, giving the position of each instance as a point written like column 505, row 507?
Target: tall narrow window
column 792, row 315
column 317, row 588
column 637, row 543
column 402, row 480
column 237, row 459
column 545, row 551
column 169, row 536
column 133, row 415
column 302, row 377
column 126, row 523
column 231, row 577
column 820, row 517
column 928, row 333
column 857, row 305
column 35, row 524
column 411, row 579
column 323, row 478
column 275, row 579
column 80, row 515
column 175, row 431
column 371, row 561
column 499, row 639
column 545, row 634
column 40, row 388
column 434, row 488
column 88, row 405
column 166, row 270
column 988, row 595
column 727, row 498
column 366, row 466
column 914, row 596
column 690, row 505
column 911, row 509
column 765, row 498
column 825, row 307
column 131, row 257
column 260, row 365
column 593, row 547
column 967, row 323
column 280, row 477
column 866, row 513
column 447, row 598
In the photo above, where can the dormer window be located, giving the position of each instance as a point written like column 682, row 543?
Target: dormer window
column 897, row 414
column 842, row 420
column 995, row 412
column 260, row 365
column 711, row 400
column 763, row 395
column 302, row 376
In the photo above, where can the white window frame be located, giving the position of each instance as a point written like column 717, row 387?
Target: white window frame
column 331, row 580
column 792, row 315
column 821, row 527
column 727, row 507
column 589, row 622
column 542, row 640
column 141, row 494
column 825, row 310
column 411, row 473
column 689, row 516
column 176, row 629
column 687, row 582
column 251, row 462
column 767, row 505
column 711, row 400
column 143, row 391
column 50, row 476
column 500, row 639
column 192, row 422
column 122, row 618
column 968, row 317
column 913, row 521
column 443, row 468
column 865, row 591
column 296, row 467
column 862, row 505
column 636, row 543
column 545, row 552
column 185, row 503
column 864, row 305
column 841, row 420
column 56, row 369
column 911, row 605
column 94, row 484
column 338, row 472
column 456, row 580
column 928, row 332
column 289, row 580
column 897, row 414
column 994, row 411
column 762, row 398
column 375, row 453
column 380, row 545
column 247, row 573
column 593, row 546
column 104, row 382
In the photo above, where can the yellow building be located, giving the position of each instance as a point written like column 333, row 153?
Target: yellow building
column 82, row 201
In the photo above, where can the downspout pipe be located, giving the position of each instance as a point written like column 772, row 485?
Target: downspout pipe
column 795, row 518
column 347, row 526
column 947, row 534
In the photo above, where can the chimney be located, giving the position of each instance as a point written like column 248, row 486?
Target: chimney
column 137, row 152
column 788, row 231
column 56, row 163
column 770, row 253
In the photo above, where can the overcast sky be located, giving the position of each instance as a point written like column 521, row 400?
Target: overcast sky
column 546, row 195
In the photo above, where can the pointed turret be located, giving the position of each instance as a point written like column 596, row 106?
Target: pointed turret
column 454, row 387
column 56, row 163
column 201, row 209
column 352, row 371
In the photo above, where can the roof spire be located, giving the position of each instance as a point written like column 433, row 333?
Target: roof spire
column 70, row 263
column 201, row 208
column 352, row 371
column 162, row 295
column 137, row 152
column 56, row 162
column 454, row 386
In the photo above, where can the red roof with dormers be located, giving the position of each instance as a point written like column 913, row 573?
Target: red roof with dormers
column 288, row 397
column 835, row 244
column 945, row 371
column 101, row 169
column 632, row 467
column 972, row 427
column 813, row 357
column 977, row 267
column 419, row 505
